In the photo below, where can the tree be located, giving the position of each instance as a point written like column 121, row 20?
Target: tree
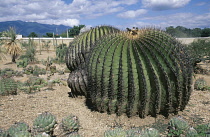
column 205, row 32
column 75, row 30
column 11, row 44
column 49, row 34
column 32, row 34
column 196, row 32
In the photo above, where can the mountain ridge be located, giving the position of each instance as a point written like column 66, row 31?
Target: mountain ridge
column 25, row 28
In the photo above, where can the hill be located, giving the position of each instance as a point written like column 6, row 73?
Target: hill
column 25, row 28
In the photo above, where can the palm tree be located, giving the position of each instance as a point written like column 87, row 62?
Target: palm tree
column 11, row 44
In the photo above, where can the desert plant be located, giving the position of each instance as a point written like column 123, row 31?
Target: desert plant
column 150, row 132
column 199, row 50
column 61, row 52
column 45, row 122
column 70, row 124
column 30, row 52
column 200, row 84
column 74, row 134
column 81, row 45
column 191, row 132
column 22, row 134
column 203, row 130
column 19, row 129
column 77, row 82
column 32, row 84
column 177, row 126
column 23, row 63
column 117, row 132
column 3, row 133
column 11, row 44
column 143, row 73
column 46, row 45
column 8, row 86
column 7, row 72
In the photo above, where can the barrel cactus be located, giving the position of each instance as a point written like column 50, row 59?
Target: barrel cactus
column 45, row 122
column 77, row 81
column 146, row 72
column 8, row 86
column 81, row 45
column 70, row 124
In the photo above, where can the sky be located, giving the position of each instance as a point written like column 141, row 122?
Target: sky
column 118, row 13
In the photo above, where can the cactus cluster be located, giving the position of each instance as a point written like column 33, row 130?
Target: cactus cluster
column 119, row 132
column 138, row 72
column 20, row 129
column 8, row 86
column 43, row 126
column 70, row 124
column 148, row 73
column 45, row 122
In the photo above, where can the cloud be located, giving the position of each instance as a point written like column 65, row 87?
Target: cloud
column 132, row 13
column 164, row 4
column 59, row 12
column 201, row 3
column 188, row 20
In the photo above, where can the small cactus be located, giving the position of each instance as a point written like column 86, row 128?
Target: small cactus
column 150, row 132
column 42, row 135
column 74, row 134
column 191, row 132
column 19, row 129
column 8, row 86
column 45, row 122
column 200, row 84
column 117, row 132
column 3, row 133
column 177, row 126
column 22, row 134
column 70, row 123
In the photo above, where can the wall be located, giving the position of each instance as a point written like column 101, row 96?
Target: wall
column 40, row 42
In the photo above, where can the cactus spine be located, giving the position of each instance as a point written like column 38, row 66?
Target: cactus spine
column 146, row 73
